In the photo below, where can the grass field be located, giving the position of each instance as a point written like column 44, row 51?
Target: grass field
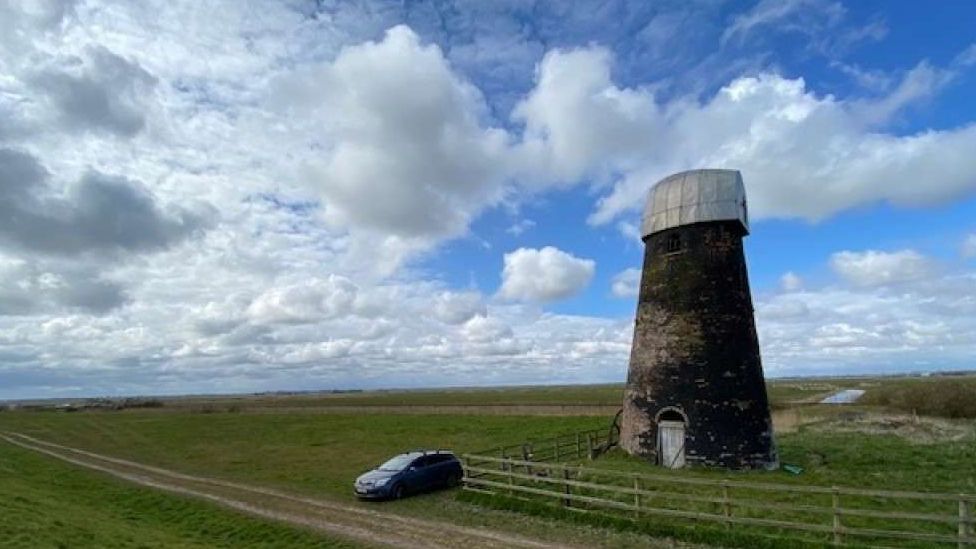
column 313, row 454
column 320, row 454
column 45, row 503
column 782, row 393
column 309, row 453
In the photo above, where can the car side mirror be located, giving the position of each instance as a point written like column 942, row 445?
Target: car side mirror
column 411, row 468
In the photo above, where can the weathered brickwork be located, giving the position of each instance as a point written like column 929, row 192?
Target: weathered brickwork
column 695, row 351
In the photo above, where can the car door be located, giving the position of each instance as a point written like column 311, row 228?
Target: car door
column 438, row 471
column 449, row 469
column 429, row 471
column 417, row 473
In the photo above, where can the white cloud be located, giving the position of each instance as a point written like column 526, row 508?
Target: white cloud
column 630, row 231
column 520, row 227
column 578, row 123
column 305, row 301
column 921, row 82
column 483, row 328
column 458, row 307
column 877, row 268
column 969, row 246
column 333, row 161
column 812, row 18
column 921, row 324
column 791, row 281
column 408, row 153
column 546, row 274
column 782, row 307
column 626, row 283
column 100, row 91
column 802, row 156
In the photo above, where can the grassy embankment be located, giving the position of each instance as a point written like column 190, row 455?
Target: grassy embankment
column 46, row 503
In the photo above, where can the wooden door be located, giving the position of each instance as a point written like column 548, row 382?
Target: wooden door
column 671, row 443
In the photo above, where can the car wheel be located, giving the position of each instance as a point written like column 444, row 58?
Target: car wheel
column 397, row 491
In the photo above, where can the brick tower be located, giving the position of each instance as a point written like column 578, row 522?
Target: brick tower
column 695, row 388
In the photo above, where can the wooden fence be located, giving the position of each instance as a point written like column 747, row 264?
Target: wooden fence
column 584, row 444
column 828, row 515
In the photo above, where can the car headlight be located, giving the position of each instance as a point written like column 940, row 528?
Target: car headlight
column 381, row 482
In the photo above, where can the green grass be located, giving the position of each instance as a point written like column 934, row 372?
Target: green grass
column 311, row 453
column 565, row 395
column 321, row 453
column 46, row 503
column 849, row 459
column 951, row 397
column 856, row 460
column 781, row 392
column 315, row 454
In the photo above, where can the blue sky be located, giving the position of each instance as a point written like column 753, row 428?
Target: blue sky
column 265, row 195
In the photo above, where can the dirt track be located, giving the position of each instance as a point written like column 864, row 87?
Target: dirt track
column 351, row 522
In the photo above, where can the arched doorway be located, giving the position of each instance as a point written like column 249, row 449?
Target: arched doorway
column 671, row 437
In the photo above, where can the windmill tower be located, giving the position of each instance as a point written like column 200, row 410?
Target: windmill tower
column 695, row 388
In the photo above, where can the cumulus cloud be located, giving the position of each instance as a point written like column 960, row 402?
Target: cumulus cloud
column 409, row 154
column 546, row 274
column 483, row 328
column 305, row 301
column 100, row 213
column 31, row 288
column 626, row 283
column 458, row 307
column 577, row 122
column 878, row 268
column 879, row 328
column 100, row 92
column 801, row 155
column 287, row 120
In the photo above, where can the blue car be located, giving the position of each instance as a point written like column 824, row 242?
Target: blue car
column 410, row 473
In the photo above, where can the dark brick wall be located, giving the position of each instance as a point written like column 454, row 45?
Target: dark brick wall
column 695, row 350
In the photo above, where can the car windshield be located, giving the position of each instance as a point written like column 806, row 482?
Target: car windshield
column 398, row 463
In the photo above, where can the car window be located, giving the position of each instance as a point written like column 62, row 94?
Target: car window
column 441, row 458
column 397, row 463
column 421, row 462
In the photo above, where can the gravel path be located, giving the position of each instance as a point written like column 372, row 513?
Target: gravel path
column 352, row 522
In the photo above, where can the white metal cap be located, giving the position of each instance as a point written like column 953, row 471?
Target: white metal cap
column 695, row 196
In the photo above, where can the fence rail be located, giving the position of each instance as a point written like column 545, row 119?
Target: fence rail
column 836, row 515
column 582, row 444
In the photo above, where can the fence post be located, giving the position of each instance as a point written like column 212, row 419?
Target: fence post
column 589, row 445
column 466, row 469
column 566, row 502
column 637, row 497
column 965, row 527
column 526, row 452
column 579, row 446
column 511, row 479
column 838, row 537
column 726, row 503
column 971, row 531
